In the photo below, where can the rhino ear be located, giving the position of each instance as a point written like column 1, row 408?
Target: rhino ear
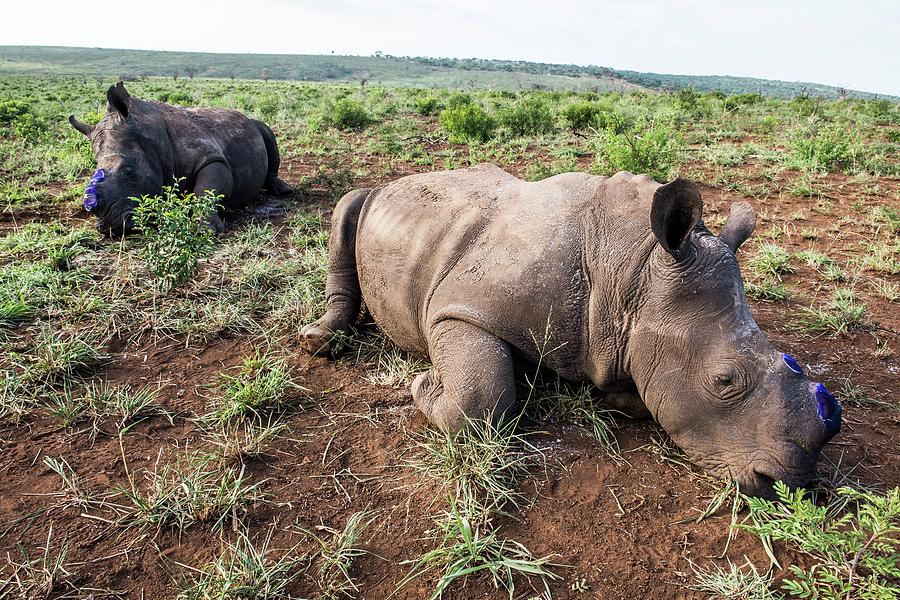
column 739, row 226
column 82, row 128
column 119, row 99
column 676, row 210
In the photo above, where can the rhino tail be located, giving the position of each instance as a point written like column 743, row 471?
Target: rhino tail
column 342, row 292
column 273, row 184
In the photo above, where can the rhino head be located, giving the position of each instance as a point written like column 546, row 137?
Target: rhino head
column 736, row 405
column 129, row 160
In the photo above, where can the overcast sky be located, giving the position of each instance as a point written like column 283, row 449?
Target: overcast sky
column 853, row 43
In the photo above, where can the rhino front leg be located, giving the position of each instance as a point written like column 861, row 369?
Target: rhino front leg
column 342, row 292
column 214, row 178
column 472, row 377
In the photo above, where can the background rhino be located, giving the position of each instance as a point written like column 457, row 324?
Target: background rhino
column 471, row 267
column 142, row 145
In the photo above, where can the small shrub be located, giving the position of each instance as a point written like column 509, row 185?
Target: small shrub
column 652, row 147
column 427, row 105
column 735, row 102
column 531, row 116
column 468, row 123
column 856, row 555
column 826, row 147
column 179, row 97
column 459, row 99
column 581, row 115
column 176, row 231
column 11, row 110
column 267, row 106
column 346, row 114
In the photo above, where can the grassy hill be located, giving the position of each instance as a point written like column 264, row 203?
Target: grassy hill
column 384, row 70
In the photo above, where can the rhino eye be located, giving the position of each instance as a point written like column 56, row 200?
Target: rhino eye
column 728, row 383
column 129, row 173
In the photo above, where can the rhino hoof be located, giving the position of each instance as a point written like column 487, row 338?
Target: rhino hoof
column 316, row 340
column 279, row 187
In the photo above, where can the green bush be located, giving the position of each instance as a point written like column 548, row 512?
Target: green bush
column 267, row 106
column 28, row 127
column 18, row 115
column 468, row 123
column 459, row 99
column 531, row 116
column 652, row 147
column 427, row 105
column 11, row 110
column 347, row 113
column 176, row 231
column 806, row 106
column 581, row 115
column 733, row 103
column 826, row 147
column 178, row 97
column 856, row 555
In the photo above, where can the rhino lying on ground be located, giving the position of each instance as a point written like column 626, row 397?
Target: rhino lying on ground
column 471, row 267
column 142, row 145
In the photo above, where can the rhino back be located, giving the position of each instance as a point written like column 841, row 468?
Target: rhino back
column 481, row 246
column 200, row 136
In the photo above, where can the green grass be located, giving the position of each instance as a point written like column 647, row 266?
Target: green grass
column 577, row 404
column 262, row 383
column 480, row 464
column 771, row 262
column 840, row 314
column 39, row 576
column 466, row 549
column 384, row 363
column 58, row 355
column 196, row 489
column 767, row 290
column 245, row 569
column 337, row 551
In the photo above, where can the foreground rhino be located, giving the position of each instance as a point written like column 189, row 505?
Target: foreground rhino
column 471, row 267
column 142, row 145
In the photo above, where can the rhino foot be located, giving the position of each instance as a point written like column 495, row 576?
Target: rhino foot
column 279, row 187
column 216, row 224
column 316, row 339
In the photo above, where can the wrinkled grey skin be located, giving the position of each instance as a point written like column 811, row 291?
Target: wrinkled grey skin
column 143, row 145
column 472, row 267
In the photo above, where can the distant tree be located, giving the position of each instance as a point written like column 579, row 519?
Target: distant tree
column 232, row 77
column 265, row 74
column 378, row 54
column 363, row 78
column 175, row 75
column 191, row 71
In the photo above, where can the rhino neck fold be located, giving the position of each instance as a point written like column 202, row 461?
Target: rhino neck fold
column 618, row 265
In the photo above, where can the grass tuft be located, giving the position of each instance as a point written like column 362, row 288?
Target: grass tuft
column 245, row 570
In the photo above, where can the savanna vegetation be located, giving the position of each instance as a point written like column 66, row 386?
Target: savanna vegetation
column 164, row 436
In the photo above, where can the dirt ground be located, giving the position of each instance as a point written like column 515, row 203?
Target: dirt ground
column 625, row 528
